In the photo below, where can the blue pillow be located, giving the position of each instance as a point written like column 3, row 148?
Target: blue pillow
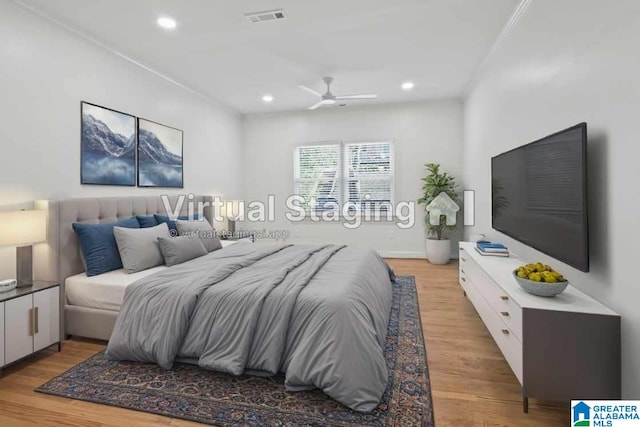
column 172, row 224
column 147, row 221
column 99, row 247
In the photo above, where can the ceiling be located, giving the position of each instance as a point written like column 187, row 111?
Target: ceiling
column 368, row 46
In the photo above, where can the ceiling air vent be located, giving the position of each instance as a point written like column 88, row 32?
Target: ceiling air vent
column 271, row 15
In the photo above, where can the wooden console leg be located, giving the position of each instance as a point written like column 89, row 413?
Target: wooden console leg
column 464, row 293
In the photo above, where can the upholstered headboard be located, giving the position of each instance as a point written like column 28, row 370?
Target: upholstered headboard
column 59, row 257
column 64, row 257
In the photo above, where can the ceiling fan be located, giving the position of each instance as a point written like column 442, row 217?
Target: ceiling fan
column 329, row 98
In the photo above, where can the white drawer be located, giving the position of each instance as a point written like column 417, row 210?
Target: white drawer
column 462, row 278
column 512, row 317
column 503, row 305
column 511, row 348
column 509, row 344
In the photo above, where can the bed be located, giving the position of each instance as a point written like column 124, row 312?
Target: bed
column 106, row 291
column 59, row 258
column 317, row 313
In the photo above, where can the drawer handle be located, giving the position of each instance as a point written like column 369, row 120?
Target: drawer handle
column 37, row 320
column 504, row 298
column 31, row 322
column 463, row 260
column 505, row 331
column 462, row 271
column 463, row 279
column 505, row 313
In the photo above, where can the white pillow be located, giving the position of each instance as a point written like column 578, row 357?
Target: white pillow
column 138, row 247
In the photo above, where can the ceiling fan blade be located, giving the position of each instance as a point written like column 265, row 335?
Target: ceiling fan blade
column 364, row 96
column 314, row 106
column 316, row 93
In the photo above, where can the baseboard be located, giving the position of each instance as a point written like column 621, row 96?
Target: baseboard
column 408, row 254
column 402, row 254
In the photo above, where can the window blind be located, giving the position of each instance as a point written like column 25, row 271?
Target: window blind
column 369, row 175
column 317, row 176
column 359, row 174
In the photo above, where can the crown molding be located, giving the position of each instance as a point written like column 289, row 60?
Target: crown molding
column 515, row 17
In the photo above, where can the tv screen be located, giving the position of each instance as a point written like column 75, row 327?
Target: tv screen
column 539, row 195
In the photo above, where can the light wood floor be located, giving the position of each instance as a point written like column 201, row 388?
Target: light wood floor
column 472, row 384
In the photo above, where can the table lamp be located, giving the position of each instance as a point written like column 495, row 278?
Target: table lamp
column 22, row 229
column 232, row 212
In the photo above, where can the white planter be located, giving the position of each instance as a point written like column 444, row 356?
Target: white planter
column 438, row 251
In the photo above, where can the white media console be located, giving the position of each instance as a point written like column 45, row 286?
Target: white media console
column 560, row 348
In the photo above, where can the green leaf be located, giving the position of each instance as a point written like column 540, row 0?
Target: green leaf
column 436, row 182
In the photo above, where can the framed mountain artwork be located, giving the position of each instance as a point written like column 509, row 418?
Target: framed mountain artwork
column 159, row 155
column 107, row 146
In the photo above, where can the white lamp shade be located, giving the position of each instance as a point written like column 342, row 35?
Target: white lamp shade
column 231, row 209
column 23, row 227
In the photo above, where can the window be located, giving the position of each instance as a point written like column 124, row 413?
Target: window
column 358, row 175
column 317, row 175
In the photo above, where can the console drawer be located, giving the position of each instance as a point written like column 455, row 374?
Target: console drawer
column 509, row 312
column 462, row 279
column 511, row 348
column 509, row 344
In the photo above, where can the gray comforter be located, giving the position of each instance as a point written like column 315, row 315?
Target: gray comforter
column 317, row 313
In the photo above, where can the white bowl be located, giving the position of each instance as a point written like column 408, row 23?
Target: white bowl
column 541, row 289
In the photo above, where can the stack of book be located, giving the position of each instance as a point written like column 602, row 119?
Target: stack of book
column 492, row 249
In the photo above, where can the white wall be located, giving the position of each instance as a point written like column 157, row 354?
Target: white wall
column 46, row 71
column 567, row 62
column 423, row 132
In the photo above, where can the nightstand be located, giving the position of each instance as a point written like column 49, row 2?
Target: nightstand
column 29, row 321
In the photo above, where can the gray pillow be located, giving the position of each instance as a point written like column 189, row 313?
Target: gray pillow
column 177, row 250
column 201, row 229
column 138, row 247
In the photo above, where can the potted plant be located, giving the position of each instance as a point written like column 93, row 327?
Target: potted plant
column 441, row 208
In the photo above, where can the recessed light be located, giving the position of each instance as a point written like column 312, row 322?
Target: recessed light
column 267, row 98
column 167, row 23
column 407, row 85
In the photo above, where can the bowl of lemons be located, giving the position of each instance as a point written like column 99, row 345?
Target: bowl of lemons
column 540, row 279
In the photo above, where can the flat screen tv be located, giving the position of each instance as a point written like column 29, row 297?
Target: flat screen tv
column 539, row 195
